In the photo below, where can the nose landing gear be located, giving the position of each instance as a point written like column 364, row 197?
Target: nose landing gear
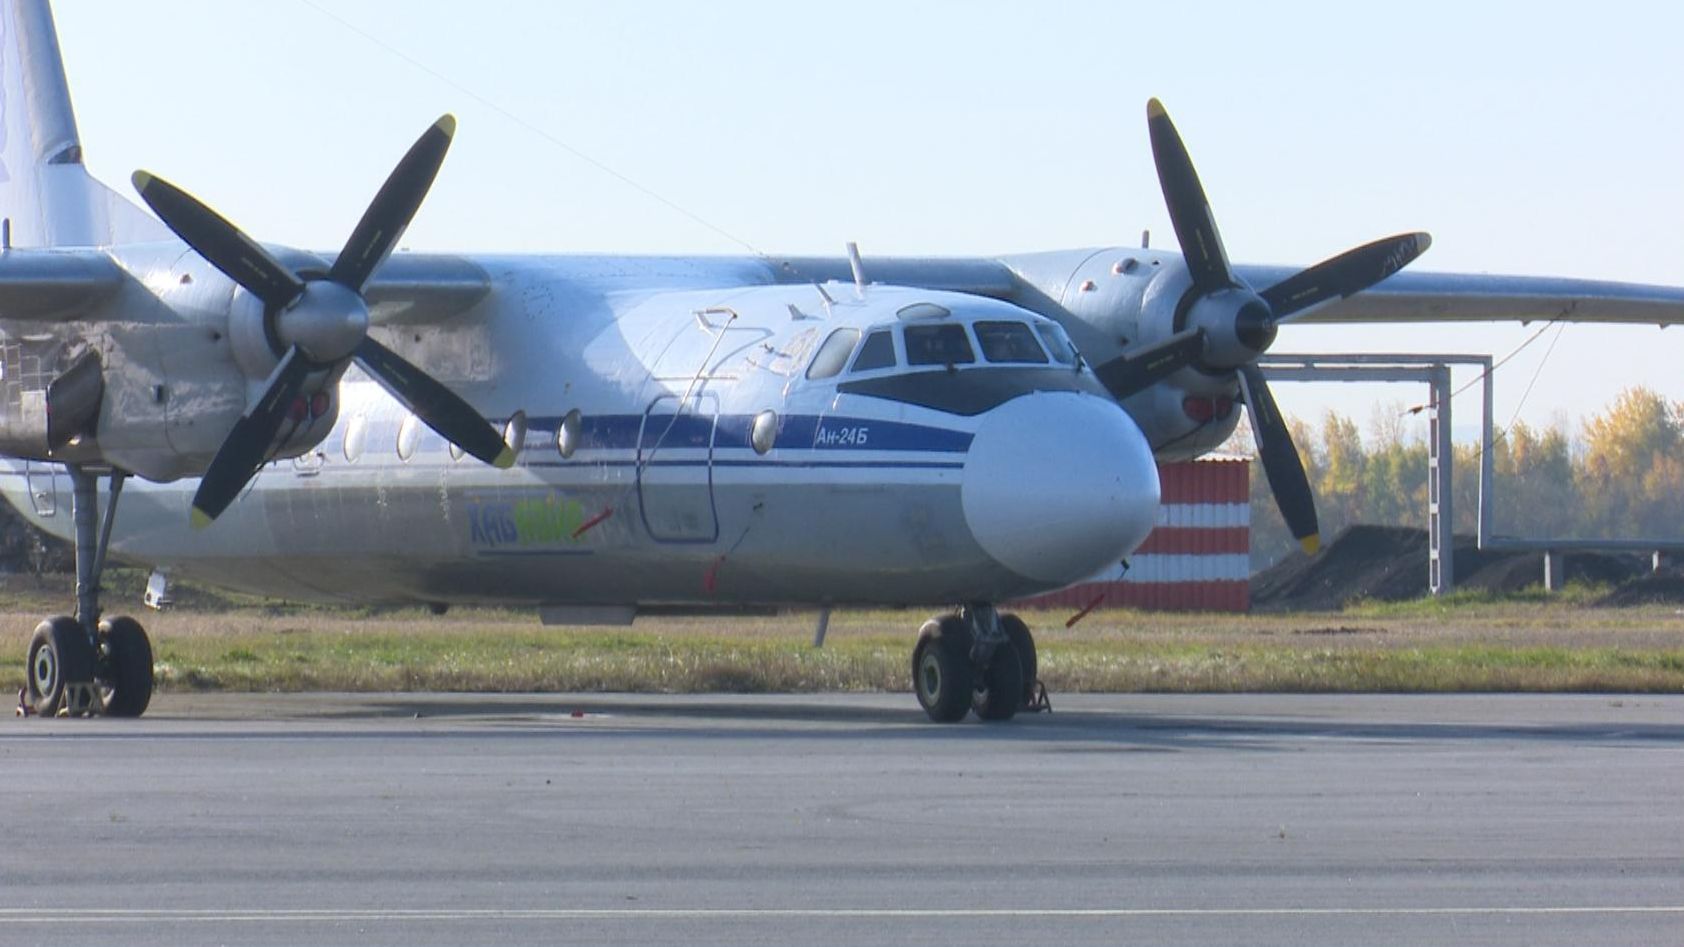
column 83, row 666
column 976, row 660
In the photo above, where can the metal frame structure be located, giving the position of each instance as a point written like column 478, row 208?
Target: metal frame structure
column 1434, row 370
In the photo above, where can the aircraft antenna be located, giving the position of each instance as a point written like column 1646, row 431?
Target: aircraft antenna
column 857, row 267
column 1146, row 240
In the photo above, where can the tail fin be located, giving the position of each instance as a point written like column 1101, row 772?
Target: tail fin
column 46, row 193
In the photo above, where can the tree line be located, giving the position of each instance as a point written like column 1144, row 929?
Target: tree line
column 1619, row 474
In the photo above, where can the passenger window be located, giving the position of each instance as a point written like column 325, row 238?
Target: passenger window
column 1063, row 350
column 877, row 352
column 1009, row 342
column 938, row 345
column 833, row 354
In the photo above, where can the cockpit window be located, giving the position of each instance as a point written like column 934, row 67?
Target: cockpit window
column 833, row 354
column 938, row 345
column 1009, row 342
column 877, row 352
column 1062, row 349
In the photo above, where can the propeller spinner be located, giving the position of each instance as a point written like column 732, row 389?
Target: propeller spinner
column 1223, row 324
column 321, row 322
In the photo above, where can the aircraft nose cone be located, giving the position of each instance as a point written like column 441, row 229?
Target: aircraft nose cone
column 1059, row 485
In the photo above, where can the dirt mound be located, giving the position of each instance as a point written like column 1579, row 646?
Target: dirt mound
column 1389, row 564
column 1666, row 588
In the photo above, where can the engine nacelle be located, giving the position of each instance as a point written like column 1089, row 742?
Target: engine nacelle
column 184, row 356
column 1118, row 299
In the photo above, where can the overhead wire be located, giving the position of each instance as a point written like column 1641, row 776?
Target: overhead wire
column 634, row 184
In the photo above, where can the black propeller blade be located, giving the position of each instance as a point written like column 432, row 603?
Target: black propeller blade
column 1224, row 324
column 1347, row 274
column 437, row 406
column 220, row 242
column 1281, row 464
column 322, row 324
column 247, row 446
column 1189, row 210
column 1134, row 373
column 392, row 209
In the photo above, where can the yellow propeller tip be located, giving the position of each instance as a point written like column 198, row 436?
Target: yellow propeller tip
column 505, row 460
column 1311, row 544
column 141, row 180
column 446, row 124
column 200, row 518
column 1154, row 108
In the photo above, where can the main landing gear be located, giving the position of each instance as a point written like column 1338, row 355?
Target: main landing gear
column 976, row 659
column 85, row 665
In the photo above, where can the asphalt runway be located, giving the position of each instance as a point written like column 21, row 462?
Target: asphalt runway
column 406, row 819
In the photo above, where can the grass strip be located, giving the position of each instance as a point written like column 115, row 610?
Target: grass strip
column 505, row 657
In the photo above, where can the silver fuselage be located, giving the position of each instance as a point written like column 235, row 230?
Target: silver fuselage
column 990, row 481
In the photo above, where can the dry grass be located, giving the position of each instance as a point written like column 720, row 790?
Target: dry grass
column 1525, row 645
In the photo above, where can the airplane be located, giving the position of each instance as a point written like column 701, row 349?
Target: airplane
column 602, row 437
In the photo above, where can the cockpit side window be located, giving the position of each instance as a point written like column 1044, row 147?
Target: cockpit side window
column 833, row 354
column 1062, row 349
column 877, row 352
column 1009, row 342
column 938, row 345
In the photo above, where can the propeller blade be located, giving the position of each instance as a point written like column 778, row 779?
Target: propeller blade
column 220, row 242
column 247, row 447
column 1281, row 465
column 1348, row 273
column 1189, row 211
column 437, row 406
column 392, row 209
column 1129, row 374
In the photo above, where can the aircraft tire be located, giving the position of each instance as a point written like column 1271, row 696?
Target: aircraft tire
column 999, row 692
column 58, row 653
column 127, row 676
column 942, row 675
column 1024, row 644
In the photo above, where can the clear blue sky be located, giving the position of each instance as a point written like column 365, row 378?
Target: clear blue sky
column 1535, row 138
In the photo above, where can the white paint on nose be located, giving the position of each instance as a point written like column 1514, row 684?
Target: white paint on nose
column 1059, row 486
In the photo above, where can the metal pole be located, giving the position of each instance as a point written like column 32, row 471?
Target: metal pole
column 1441, row 509
column 1487, row 459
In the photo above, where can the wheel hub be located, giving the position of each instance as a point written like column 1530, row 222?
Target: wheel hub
column 45, row 670
column 929, row 676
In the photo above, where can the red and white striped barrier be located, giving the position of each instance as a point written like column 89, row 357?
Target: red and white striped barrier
column 1197, row 559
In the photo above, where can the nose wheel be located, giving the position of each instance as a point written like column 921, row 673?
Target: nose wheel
column 975, row 660
column 82, row 666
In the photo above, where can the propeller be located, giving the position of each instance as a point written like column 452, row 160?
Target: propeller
column 317, row 324
column 1224, row 325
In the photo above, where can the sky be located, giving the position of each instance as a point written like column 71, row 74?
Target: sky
column 1529, row 138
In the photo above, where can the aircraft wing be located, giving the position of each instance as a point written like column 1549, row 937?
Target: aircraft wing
column 1408, row 296
column 55, row 285
column 421, row 289
column 1457, row 297
column 980, row 276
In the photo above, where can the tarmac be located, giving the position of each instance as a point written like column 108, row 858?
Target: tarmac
column 848, row 819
